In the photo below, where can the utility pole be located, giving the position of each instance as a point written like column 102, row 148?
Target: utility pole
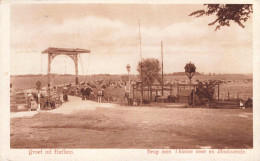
column 141, row 65
column 162, row 64
column 41, row 67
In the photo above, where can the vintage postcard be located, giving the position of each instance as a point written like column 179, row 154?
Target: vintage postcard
column 125, row 80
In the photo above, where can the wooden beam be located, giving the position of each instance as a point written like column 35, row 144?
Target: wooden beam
column 65, row 50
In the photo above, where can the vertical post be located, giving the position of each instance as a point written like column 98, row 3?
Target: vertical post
column 129, row 96
column 162, row 64
column 76, row 69
column 133, row 91
column 142, row 95
column 193, row 98
column 41, row 67
column 218, row 92
column 178, row 92
column 177, row 88
column 142, row 88
column 190, row 84
column 39, row 102
column 125, row 94
column 238, row 96
column 151, row 93
column 49, row 69
column 228, row 96
column 170, row 89
column 191, row 92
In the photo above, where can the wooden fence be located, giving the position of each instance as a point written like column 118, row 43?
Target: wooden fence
column 232, row 96
column 18, row 102
column 114, row 100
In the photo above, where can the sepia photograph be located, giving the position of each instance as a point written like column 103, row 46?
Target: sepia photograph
column 131, row 76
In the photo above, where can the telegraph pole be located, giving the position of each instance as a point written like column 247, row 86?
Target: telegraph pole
column 162, row 64
column 141, row 65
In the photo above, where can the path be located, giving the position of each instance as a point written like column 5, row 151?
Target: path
column 74, row 105
column 88, row 124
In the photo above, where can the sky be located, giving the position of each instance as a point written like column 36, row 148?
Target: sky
column 111, row 32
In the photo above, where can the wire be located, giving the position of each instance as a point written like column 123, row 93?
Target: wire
column 82, row 66
column 41, row 67
column 64, row 70
column 88, row 63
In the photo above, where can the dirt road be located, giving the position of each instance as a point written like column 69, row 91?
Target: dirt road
column 87, row 124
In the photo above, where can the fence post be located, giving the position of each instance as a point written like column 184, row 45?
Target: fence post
column 39, row 102
column 193, row 98
column 177, row 88
column 133, row 91
column 151, row 93
column 218, row 92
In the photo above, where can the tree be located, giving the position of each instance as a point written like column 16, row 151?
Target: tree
column 150, row 71
column 205, row 91
column 225, row 13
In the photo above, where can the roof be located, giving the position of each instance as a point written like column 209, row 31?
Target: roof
column 185, row 92
column 53, row 50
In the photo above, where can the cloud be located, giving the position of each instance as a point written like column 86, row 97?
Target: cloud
column 114, row 44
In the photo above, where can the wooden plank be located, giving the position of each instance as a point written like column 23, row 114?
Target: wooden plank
column 65, row 50
column 17, row 97
column 19, row 104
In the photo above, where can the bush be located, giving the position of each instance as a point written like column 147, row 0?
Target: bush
column 249, row 103
column 205, row 91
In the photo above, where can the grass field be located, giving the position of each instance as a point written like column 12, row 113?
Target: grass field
column 27, row 81
column 245, row 90
column 86, row 124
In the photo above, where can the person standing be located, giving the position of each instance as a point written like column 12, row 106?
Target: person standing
column 99, row 94
column 126, row 98
column 82, row 91
column 65, row 94
column 102, row 93
column 88, row 90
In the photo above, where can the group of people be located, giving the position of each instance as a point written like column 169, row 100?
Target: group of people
column 86, row 92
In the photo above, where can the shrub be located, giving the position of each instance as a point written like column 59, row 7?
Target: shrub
column 205, row 91
column 249, row 103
